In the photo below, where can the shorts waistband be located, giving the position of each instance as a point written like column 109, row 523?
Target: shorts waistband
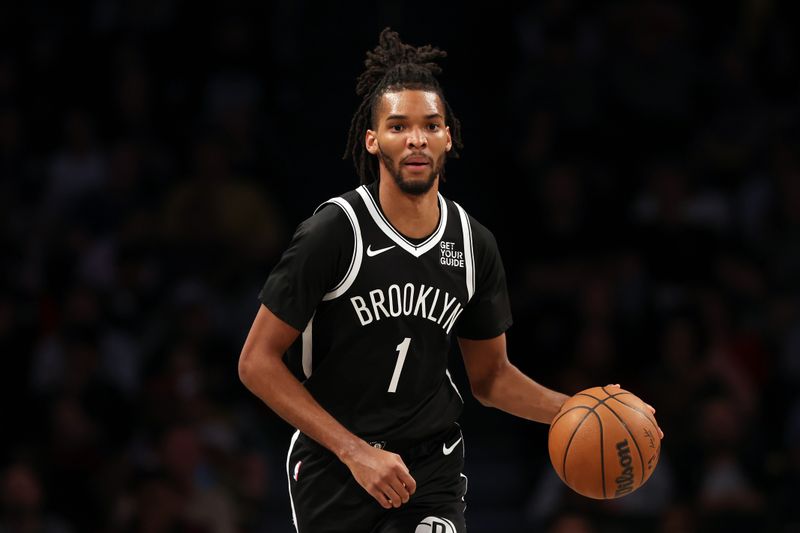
column 407, row 448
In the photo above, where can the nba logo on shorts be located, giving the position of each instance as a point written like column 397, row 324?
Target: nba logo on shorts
column 434, row 524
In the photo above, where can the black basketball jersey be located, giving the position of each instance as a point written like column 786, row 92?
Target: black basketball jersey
column 377, row 311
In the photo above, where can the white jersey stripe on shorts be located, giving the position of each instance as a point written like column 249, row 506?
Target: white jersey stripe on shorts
column 289, row 478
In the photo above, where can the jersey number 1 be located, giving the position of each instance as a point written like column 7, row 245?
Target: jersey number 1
column 402, row 350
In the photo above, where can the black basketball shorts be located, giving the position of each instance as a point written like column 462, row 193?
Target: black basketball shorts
column 326, row 498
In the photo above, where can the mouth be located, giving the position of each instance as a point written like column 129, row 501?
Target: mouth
column 416, row 162
column 417, row 168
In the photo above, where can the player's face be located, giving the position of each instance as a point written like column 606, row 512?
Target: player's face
column 411, row 139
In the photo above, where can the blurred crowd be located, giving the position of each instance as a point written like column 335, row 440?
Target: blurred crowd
column 155, row 159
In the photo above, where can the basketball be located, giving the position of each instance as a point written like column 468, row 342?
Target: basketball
column 604, row 442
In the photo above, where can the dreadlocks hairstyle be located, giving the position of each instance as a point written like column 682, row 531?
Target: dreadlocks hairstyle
column 394, row 66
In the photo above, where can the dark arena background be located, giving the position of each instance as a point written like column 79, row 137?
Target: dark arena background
column 637, row 161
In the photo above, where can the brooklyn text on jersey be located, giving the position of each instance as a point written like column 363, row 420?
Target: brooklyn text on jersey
column 409, row 300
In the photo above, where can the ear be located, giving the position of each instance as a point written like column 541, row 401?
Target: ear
column 449, row 144
column 371, row 142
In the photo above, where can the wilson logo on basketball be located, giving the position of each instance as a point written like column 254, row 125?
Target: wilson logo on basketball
column 625, row 479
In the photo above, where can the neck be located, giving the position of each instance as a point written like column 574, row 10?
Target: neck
column 414, row 216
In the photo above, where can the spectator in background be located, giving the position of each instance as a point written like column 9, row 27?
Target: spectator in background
column 23, row 503
column 206, row 501
column 239, row 223
column 79, row 168
column 727, row 498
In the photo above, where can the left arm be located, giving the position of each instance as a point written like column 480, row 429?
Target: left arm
column 481, row 334
column 495, row 382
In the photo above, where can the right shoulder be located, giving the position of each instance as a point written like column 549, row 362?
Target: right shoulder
column 333, row 218
column 316, row 262
column 328, row 217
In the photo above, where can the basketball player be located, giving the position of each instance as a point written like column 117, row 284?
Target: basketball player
column 365, row 301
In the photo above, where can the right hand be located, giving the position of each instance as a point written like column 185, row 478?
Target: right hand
column 382, row 474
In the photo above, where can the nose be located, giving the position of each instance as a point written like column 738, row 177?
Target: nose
column 417, row 138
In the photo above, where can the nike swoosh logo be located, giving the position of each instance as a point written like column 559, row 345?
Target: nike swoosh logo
column 447, row 450
column 373, row 253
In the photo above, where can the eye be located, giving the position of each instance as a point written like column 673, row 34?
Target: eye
column 396, row 127
column 433, row 126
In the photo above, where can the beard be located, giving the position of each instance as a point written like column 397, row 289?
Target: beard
column 412, row 186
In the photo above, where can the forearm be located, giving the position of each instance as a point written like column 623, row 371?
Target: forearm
column 270, row 380
column 513, row 392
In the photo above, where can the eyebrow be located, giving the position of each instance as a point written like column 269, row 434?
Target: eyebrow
column 403, row 117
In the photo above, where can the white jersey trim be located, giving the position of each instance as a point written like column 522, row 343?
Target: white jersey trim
column 446, row 371
column 289, row 478
column 308, row 337
column 469, row 255
column 358, row 250
column 416, row 250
